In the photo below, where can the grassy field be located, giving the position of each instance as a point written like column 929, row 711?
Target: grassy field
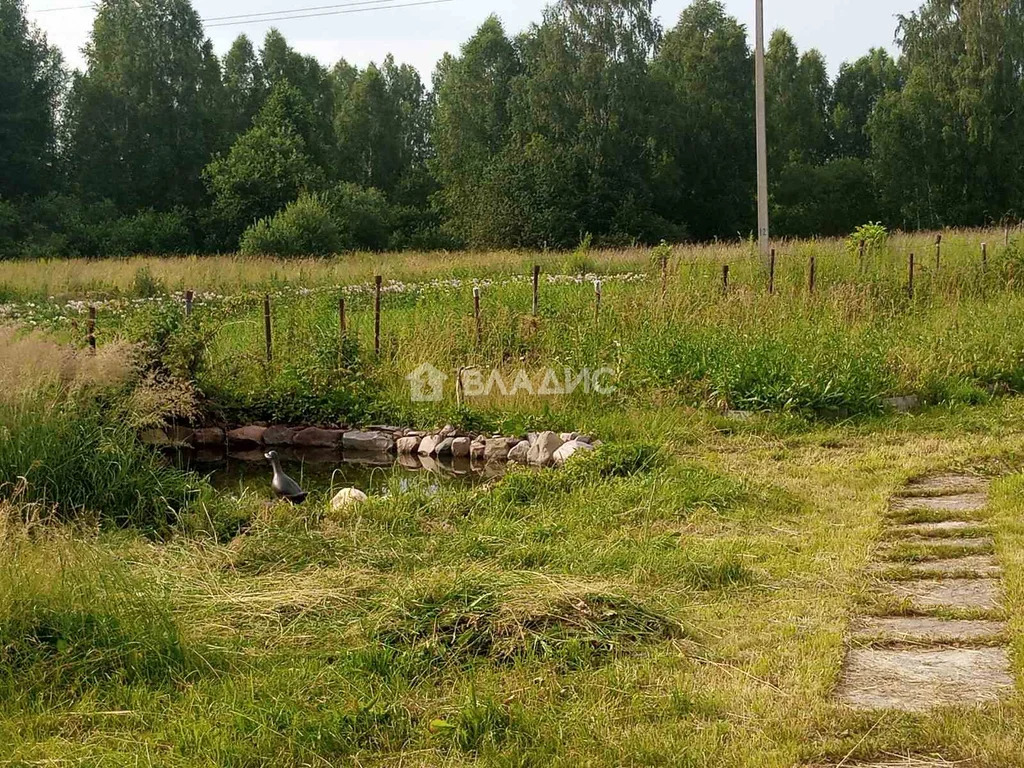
column 681, row 597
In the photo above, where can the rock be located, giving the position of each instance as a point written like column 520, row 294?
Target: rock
column 276, row 436
column 209, row 436
column 444, row 448
column 246, row 436
column 428, row 446
column 462, row 447
column 368, row 442
column 585, row 439
column 902, row 404
column 568, row 450
column 314, row 437
column 567, row 437
column 448, row 431
column 346, row 498
column 407, row 446
column 156, row 437
column 518, row 454
column 740, row 415
column 542, row 452
column 477, row 451
column 497, row 448
column 531, row 437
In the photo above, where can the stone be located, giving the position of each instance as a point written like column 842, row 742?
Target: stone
column 444, row 448
column 246, row 436
column 497, row 448
column 740, row 415
column 276, row 436
column 902, row 404
column 919, row 680
column 519, row 453
column 970, row 567
column 156, row 438
column 531, row 437
column 347, row 498
column 940, row 485
column 570, row 449
column 210, row 436
column 462, row 447
column 407, row 446
column 927, row 630
column 428, row 445
column 947, row 543
column 588, row 439
column 957, row 594
column 368, row 442
column 542, row 452
column 477, row 451
column 566, row 437
column 962, row 502
column 314, row 437
column 935, row 530
column 448, row 431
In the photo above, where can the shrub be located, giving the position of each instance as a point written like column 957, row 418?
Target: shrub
column 362, row 217
column 305, row 227
column 874, row 235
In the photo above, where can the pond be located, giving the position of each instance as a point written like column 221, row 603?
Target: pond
column 321, row 470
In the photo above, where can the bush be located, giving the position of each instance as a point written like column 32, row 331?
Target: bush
column 304, row 227
column 149, row 231
column 362, row 216
column 874, row 235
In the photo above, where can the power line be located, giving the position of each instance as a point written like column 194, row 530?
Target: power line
column 297, row 10
column 328, row 13
column 65, row 8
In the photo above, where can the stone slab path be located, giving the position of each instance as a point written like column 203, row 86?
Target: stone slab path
column 946, row 643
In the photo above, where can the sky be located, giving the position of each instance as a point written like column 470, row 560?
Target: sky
column 843, row 30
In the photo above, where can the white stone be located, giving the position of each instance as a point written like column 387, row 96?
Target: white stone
column 346, row 498
column 408, row 446
column 428, row 446
column 518, row 454
column 568, row 450
column 461, row 447
column 542, row 452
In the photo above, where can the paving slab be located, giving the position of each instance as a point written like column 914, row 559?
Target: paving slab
column 937, row 530
column 961, row 502
column 923, row 629
column 970, row 567
column 946, row 484
column 908, row 762
column 924, row 542
column 919, row 680
column 957, row 594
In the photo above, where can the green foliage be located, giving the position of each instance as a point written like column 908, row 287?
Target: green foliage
column 305, row 227
column 362, row 216
column 80, row 461
column 874, row 235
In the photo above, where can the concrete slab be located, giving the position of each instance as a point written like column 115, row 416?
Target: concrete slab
column 956, row 594
column 938, row 530
column 925, row 543
column 919, row 680
column 962, row 502
column 970, row 567
column 946, row 484
column 923, row 629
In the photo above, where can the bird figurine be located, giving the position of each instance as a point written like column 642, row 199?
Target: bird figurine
column 284, row 486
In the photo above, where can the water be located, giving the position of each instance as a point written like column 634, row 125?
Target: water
column 323, row 470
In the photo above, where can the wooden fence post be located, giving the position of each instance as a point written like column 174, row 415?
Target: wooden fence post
column 91, row 329
column 771, row 274
column 725, row 279
column 863, row 265
column 189, row 296
column 984, row 257
column 267, row 332
column 476, row 316
column 664, row 278
column 938, row 252
column 597, row 300
column 536, row 289
column 342, row 325
column 377, row 281
column 910, row 278
column 812, row 281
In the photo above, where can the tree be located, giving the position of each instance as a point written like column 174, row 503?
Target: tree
column 266, row 168
column 797, row 90
column 857, row 90
column 946, row 149
column 706, row 168
column 31, row 85
column 142, row 124
column 245, row 87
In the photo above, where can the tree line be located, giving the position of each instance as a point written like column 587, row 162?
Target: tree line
column 594, row 121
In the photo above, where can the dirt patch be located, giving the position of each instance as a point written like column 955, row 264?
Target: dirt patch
column 963, row 502
column 958, row 594
column 918, row 680
column 913, row 629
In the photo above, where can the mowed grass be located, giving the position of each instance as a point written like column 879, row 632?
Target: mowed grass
column 680, row 599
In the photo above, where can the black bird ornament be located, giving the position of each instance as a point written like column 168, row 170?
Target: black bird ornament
column 284, row 486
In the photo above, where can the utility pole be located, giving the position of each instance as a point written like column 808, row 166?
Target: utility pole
column 762, row 137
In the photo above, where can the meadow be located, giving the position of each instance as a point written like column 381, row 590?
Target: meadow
column 679, row 597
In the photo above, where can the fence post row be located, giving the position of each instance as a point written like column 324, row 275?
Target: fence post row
column 267, row 332
column 377, row 281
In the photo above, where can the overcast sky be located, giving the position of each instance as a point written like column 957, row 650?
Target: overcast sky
column 842, row 29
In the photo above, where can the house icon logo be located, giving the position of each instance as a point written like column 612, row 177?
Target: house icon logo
column 426, row 384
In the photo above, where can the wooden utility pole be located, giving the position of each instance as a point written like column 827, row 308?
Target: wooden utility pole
column 762, row 137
